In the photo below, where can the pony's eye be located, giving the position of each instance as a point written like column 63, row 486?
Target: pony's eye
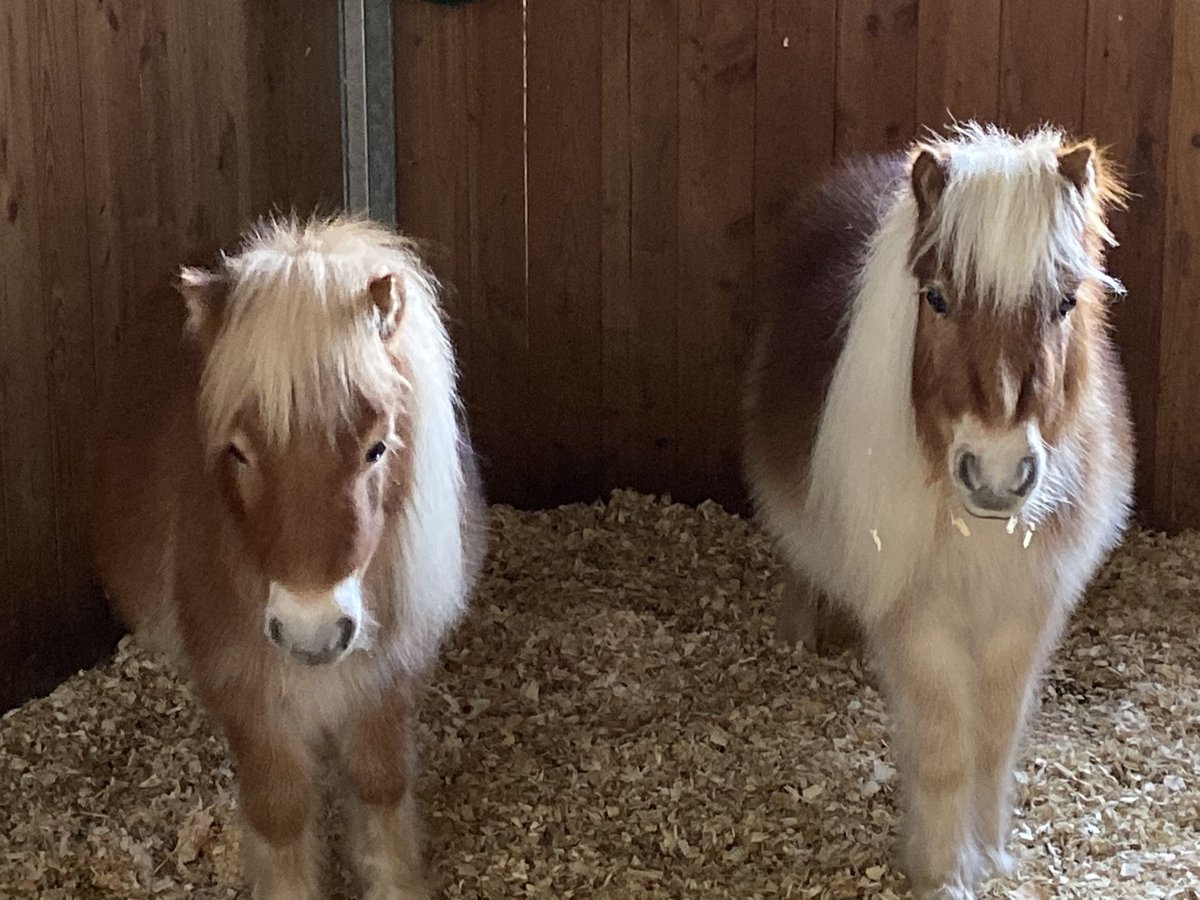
column 236, row 452
column 376, row 452
column 1066, row 305
column 934, row 297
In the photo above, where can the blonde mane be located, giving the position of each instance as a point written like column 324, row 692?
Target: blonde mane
column 1008, row 226
column 299, row 337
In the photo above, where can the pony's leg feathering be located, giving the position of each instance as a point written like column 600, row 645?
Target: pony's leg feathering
column 1010, row 662
column 379, row 757
column 926, row 669
column 276, row 788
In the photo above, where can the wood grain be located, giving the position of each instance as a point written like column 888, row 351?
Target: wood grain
column 618, row 314
column 564, row 162
column 128, row 163
column 1043, row 50
column 717, row 313
column 640, row 249
column 1177, row 467
column 876, row 74
column 31, row 550
column 958, row 61
column 1127, row 105
column 432, row 163
column 496, row 372
column 66, row 301
column 292, row 103
column 795, row 124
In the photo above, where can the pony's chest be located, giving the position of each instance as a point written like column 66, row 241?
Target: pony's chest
column 312, row 702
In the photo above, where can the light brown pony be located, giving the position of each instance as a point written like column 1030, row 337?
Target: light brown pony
column 288, row 505
column 937, row 438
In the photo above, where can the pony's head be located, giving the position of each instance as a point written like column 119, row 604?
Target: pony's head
column 304, row 410
column 1008, row 259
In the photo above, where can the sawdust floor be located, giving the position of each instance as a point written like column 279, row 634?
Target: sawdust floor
column 613, row 720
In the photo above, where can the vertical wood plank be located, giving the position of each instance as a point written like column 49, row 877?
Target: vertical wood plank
column 31, row 570
column 716, row 241
column 795, row 123
column 876, row 74
column 294, row 102
column 65, row 293
column 641, row 146
column 958, row 61
column 213, row 145
column 618, row 304
column 1177, row 469
column 432, row 141
column 496, row 373
column 1127, row 108
column 564, row 166
column 653, row 225
column 1042, row 57
column 128, row 162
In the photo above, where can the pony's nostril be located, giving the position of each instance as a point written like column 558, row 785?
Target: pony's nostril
column 275, row 630
column 968, row 470
column 1026, row 474
column 345, row 632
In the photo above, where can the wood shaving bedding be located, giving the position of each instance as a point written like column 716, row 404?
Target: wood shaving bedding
column 614, row 720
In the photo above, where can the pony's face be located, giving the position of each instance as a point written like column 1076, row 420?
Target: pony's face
column 310, row 513
column 995, row 384
column 309, row 503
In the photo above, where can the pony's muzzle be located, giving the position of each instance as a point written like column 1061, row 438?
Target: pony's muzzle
column 315, row 627
column 996, row 484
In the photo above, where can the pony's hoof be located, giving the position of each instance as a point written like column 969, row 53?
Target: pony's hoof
column 955, row 890
column 999, row 862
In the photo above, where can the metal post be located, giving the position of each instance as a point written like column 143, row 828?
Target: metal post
column 368, row 113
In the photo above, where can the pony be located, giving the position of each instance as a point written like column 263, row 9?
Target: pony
column 937, row 441
column 287, row 504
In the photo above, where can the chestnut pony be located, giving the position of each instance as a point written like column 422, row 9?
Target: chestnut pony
column 287, row 503
column 937, row 439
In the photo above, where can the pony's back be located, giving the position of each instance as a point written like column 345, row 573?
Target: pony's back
column 142, row 451
column 814, row 282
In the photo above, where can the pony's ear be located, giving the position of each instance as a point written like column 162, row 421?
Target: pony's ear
column 204, row 292
column 1075, row 165
column 929, row 175
column 387, row 294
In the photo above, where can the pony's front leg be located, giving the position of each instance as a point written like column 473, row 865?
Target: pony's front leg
column 927, row 676
column 378, row 755
column 1010, row 661
column 277, row 793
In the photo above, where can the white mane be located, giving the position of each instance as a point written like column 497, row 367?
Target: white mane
column 1010, row 218
column 299, row 334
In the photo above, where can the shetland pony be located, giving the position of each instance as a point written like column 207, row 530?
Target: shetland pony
column 937, row 439
column 288, row 504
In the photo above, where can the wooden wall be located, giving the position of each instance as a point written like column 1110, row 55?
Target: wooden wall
column 134, row 134
column 608, row 229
